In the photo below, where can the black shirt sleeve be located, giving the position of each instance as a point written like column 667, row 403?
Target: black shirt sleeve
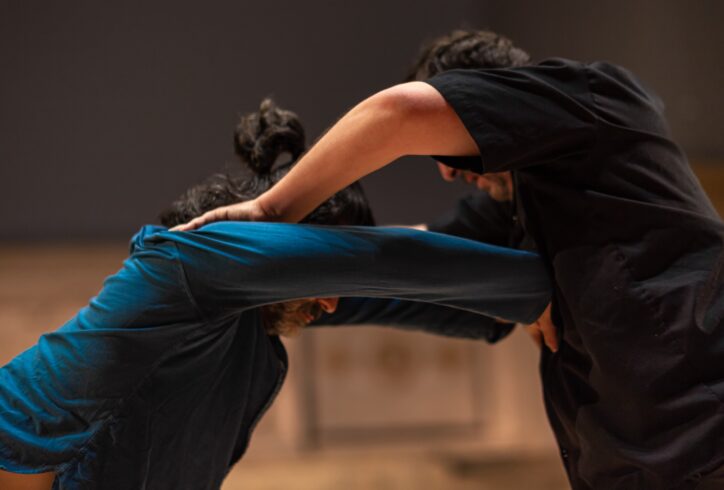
column 522, row 116
column 478, row 217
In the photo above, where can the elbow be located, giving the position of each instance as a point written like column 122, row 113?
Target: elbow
column 387, row 118
column 421, row 121
column 407, row 101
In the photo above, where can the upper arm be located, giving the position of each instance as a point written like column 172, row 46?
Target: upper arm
column 416, row 315
column 428, row 124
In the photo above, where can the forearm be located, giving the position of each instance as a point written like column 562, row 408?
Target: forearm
column 361, row 142
column 234, row 266
column 406, row 119
column 414, row 315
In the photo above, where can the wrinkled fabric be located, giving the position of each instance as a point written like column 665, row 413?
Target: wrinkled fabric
column 635, row 392
column 159, row 381
column 416, row 316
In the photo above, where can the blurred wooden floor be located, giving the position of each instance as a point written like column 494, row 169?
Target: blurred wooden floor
column 398, row 472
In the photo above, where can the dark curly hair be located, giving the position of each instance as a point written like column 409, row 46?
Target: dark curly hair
column 466, row 49
column 268, row 143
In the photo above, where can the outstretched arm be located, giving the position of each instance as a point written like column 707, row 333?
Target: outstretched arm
column 415, row 315
column 232, row 266
column 407, row 119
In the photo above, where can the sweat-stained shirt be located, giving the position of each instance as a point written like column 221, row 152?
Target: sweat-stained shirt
column 160, row 380
column 635, row 392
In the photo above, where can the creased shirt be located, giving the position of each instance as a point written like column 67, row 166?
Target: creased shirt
column 160, row 380
column 635, row 393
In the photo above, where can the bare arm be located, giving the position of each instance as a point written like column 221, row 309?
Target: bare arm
column 407, row 119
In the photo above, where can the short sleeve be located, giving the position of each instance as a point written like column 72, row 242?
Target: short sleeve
column 522, row 116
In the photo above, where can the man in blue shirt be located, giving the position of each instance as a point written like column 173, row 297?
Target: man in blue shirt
column 160, row 380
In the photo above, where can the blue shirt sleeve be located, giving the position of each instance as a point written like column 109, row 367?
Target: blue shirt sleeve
column 415, row 315
column 232, row 266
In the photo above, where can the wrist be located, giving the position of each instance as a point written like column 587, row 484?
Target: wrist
column 266, row 210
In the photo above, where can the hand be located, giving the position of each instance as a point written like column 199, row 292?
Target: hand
column 243, row 211
column 544, row 331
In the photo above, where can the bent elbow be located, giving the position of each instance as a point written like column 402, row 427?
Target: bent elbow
column 409, row 100
column 424, row 123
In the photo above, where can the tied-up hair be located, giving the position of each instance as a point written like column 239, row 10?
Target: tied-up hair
column 268, row 143
column 466, row 49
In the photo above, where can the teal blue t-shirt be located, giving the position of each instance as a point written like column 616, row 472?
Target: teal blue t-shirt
column 160, row 380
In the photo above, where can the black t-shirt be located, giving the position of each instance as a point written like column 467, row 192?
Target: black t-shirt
column 479, row 217
column 635, row 250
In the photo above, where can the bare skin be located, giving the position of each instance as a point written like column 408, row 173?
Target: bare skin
column 498, row 184
column 17, row 481
column 543, row 331
column 407, row 119
column 289, row 318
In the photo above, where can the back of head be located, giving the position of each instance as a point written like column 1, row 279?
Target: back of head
column 466, row 49
column 268, row 143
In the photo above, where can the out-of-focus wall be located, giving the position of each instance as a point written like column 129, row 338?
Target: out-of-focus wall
column 111, row 109
column 674, row 46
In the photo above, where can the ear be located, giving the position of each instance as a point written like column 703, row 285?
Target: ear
column 329, row 305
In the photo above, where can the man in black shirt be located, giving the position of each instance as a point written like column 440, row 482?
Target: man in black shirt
column 635, row 247
column 635, row 392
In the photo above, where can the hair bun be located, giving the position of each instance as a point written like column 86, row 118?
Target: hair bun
column 262, row 137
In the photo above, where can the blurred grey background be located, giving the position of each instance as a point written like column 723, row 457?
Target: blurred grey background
column 108, row 110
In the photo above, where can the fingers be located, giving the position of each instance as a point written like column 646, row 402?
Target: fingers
column 550, row 335
column 544, row 331
column 218, row 214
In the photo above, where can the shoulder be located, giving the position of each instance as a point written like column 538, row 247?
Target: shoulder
column 149, row 248
column 549, row 68
column 142, row 239
column 623, row 100
column 604, row 73
column 556, row 72
column 550, row 79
